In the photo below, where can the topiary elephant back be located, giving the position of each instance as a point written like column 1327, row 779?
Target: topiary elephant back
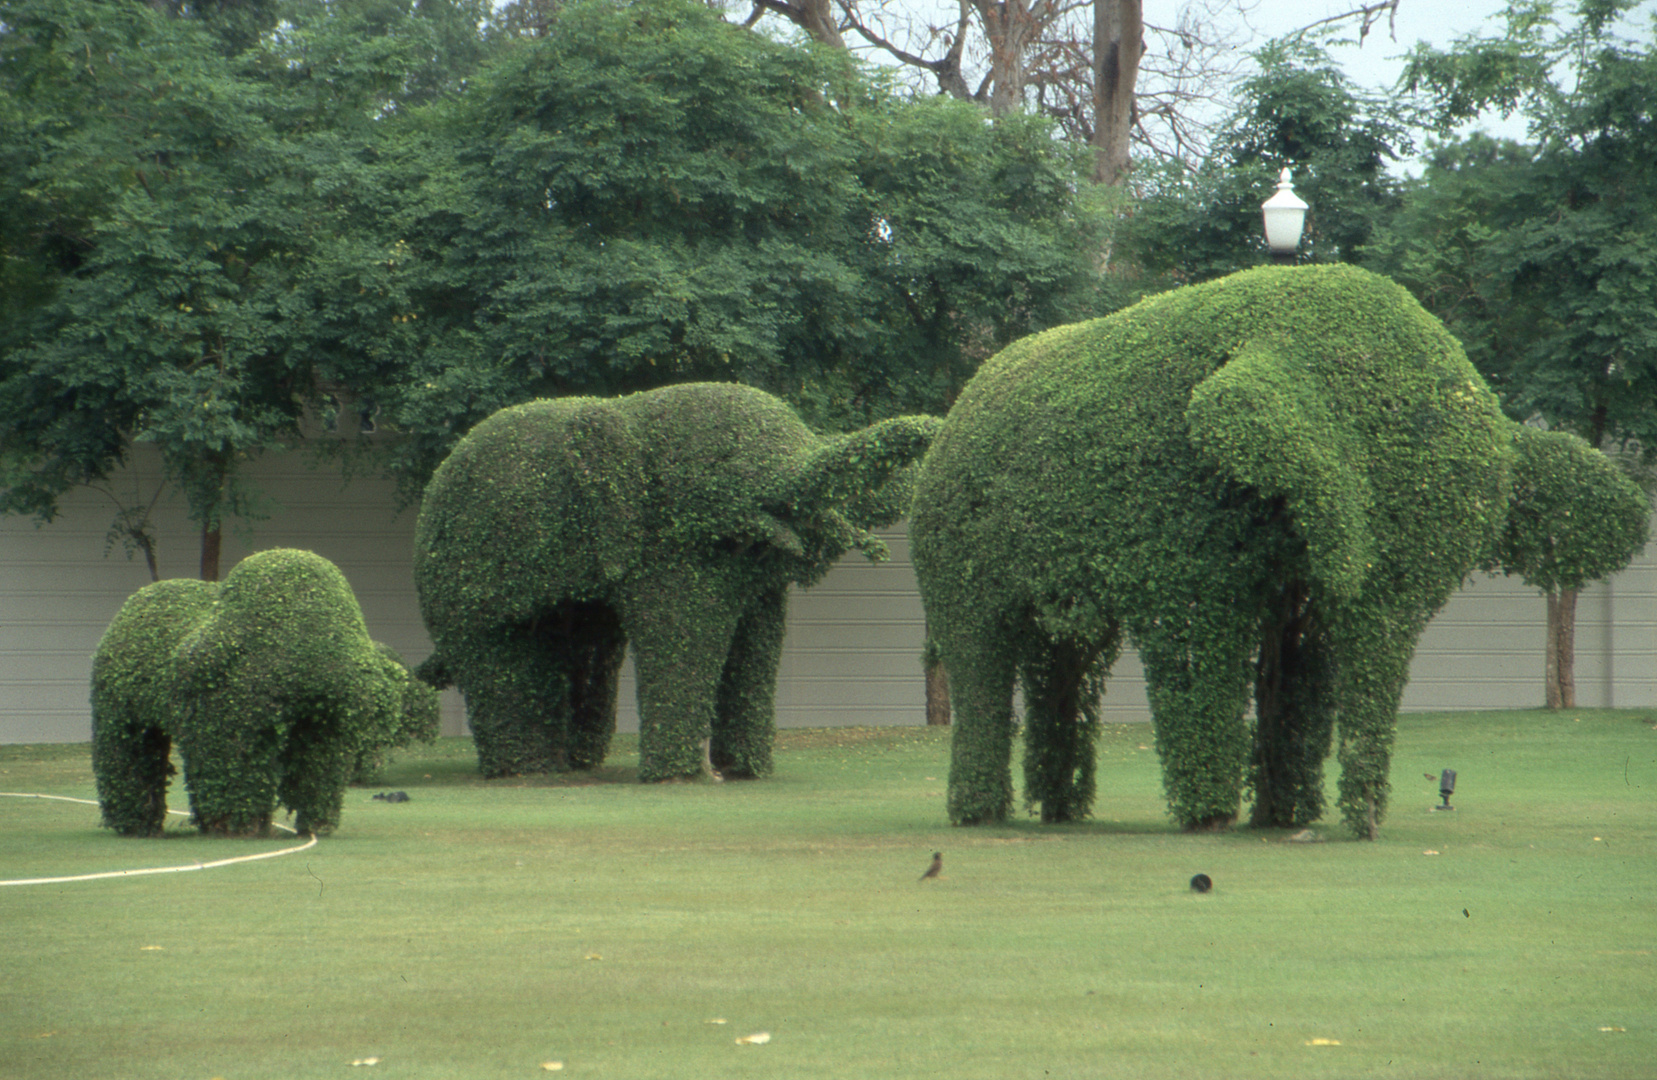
column 268, row 685
column 1267, row 483
column 558, row 531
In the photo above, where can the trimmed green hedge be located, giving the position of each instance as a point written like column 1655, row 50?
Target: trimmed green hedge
column 1575, row 518
column 1267, row 484
column 267, row 682
column 559, row 531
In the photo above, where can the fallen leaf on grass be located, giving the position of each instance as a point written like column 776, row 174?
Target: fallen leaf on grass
column 1429, row 851
column 552, row 1066
column 716, row 1020
column 759, row 1038
column 1613, row 1029
column 158, row 948
column 594, row 956
column 1323, row 1042
column 366, row 1061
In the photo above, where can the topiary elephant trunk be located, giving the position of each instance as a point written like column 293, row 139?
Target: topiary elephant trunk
column 268, row 685
column 558, row 532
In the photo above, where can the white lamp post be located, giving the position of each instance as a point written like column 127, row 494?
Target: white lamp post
column 1285, row 214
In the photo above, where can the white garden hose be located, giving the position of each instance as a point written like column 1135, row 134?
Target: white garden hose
column 310, row 843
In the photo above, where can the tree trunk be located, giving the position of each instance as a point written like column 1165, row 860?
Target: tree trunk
column 1011, row 27
column 1560, row 665
column 818, row 18
column 937, row 693
column 1118, row 43
column 212, row 539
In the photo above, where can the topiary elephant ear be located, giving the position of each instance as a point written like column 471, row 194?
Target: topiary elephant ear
column 1264, row 423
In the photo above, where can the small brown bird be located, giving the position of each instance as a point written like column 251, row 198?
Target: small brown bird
column 937, row 866
column 1429, row 776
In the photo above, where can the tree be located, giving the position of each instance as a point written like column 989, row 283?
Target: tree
column 1299, row 111
column 648, row 194
column 1041, row 56
column 189, row 239
column 1575, row 519
column 1543, row 258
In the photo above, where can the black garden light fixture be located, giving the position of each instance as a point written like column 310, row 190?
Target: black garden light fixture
column 1285, row 217
column 1446, row 787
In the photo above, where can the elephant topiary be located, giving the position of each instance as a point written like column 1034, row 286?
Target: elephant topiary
column 559, row 531
column 1267, row 483
column 268, row 685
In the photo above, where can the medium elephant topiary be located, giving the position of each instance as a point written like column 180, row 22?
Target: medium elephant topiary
column 559, row 531
column 1268, row 484
column 268, row 685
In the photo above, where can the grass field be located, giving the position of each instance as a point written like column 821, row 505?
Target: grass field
column 485, row 928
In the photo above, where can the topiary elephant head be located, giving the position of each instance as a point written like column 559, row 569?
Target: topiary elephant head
column 268, row 685
column 1267, row 483
column 559, row 531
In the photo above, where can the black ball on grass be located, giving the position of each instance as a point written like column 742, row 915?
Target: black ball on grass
column 1202, row 883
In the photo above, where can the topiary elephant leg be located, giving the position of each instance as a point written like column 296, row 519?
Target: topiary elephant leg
column 744, row 721
column 133, row 764
column 1368, row 689
column 230, row 770
column 981, row 671
column 1294, row 715
column 595, row 652
column 681, row 633
column 315, row 767
column 516, row 688
column 1199, row 692
column 1061, row 725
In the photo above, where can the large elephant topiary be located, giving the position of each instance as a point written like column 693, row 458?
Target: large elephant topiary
column 268, row 685
column 1267, row 483
column 559, row 531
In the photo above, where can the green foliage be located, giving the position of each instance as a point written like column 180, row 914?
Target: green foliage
column 133, row 703
column 1576, row 516
column 191, row 240
column 267, row 683
column 1542, row 259
column 649, row 195
column 1268, row 483
column 418, row 719
column 560, row 530
column 1299, row 111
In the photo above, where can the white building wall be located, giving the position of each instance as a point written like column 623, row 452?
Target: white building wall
column 853, row 648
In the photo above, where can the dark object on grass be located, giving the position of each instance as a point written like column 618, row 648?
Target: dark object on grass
column 392, row 796
column 1202, row 883
column 937, row 866
column 1446, row 788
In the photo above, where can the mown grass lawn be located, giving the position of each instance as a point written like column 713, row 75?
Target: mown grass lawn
column 485, row 928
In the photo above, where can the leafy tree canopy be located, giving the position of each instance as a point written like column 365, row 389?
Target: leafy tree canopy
column 1299, row 111
column 188, row 236
column 1543, row 258
column 648, row 194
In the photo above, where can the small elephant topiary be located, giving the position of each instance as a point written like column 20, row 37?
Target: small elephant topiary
column 268, row 685
column 1268, row 484
column 559, row 531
